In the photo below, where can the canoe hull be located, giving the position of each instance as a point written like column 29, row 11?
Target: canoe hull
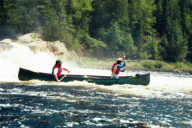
column 138, row 79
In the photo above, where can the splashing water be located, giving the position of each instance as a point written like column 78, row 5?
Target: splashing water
column 22, row 56
column 166, row 101
column 14, row 55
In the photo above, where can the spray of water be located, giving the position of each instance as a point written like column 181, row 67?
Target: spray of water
column 24, row 53
column 30, row 52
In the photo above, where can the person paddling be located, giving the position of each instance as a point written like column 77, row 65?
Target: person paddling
column 57, row 70
column 118, row 66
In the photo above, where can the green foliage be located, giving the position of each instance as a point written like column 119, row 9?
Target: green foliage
column 154, row 65
column 80, row 11
column 186, row 9
column 91, row 43
column 22, row 14
column 139, row 29
column 129, row 48
column 158, row 65
column 179, row 65
column 176, row 47
column 2, row 12
column 174, row 40
column 113, row 37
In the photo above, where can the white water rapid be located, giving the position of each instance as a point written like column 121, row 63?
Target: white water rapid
column 20, row 53
column 166, row 101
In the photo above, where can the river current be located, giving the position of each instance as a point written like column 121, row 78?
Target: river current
column 38, row 104
column 165, row 103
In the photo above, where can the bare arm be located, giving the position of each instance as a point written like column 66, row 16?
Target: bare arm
column 55, row 74
column 56, row 78
column 66, row 70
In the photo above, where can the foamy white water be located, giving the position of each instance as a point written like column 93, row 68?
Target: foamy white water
column 162, row 84
column 166, row 101
column 14, row 55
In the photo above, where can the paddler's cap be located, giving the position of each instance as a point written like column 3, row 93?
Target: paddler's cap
column 58, row 62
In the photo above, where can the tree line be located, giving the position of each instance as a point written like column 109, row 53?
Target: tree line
column 139, row 29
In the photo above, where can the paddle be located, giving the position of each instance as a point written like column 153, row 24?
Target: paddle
column 126, row 67
column 63, row 77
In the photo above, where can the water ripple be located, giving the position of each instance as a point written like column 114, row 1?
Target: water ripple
column 80, row 106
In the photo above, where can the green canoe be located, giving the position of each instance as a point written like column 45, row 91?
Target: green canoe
column 138, row 79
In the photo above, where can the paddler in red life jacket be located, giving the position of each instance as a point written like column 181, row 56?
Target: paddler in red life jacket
column 118, row 66
column 57, row 70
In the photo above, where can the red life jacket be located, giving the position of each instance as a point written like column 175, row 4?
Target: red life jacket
column 113, row 68
column 59, row 70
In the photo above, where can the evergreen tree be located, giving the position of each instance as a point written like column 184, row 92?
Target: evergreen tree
column 160, row 15
column 141, row 24
column 176, row 49
column 186, row 15
column 137, row 28
column 22, row 14
column 2, row 12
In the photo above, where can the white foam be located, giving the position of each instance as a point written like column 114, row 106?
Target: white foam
column 172, row 83
column 20, row 55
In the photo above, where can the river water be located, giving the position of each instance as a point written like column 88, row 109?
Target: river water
column 166, row 102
